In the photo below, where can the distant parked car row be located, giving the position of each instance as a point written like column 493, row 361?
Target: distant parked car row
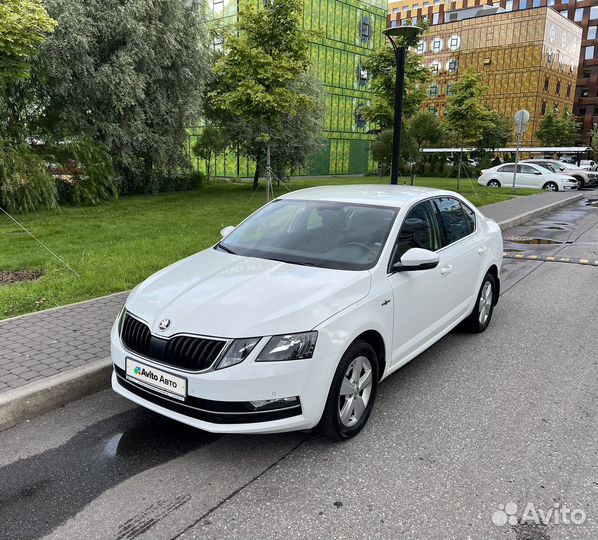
column 530, row 175
column 586, row 164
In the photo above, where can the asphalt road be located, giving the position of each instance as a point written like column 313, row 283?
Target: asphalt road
column 477, row 421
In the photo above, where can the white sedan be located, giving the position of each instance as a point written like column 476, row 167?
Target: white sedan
column 528, row 176
column 295, row 316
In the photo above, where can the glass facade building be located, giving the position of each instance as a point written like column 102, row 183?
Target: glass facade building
column 345, row 33
column 583, row 12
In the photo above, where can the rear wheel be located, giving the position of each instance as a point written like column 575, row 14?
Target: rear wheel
column 352, row 393
column 493, row 183
column 479, row 318
column 550, row 186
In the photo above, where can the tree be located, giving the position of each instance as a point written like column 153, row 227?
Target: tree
column 259, row 73
column 498, row 133
column 382, row 70
column 128, row 74
column 211, row 141
column 465, row 116
column 423, row 129
column 24, row 25
column 559, row 131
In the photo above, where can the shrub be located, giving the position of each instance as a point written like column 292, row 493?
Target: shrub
column 25, row 182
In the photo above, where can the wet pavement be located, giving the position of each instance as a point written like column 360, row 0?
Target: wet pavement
column 510, row 415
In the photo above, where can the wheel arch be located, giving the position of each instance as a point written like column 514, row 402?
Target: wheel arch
column 375, row 339
column 494, row 271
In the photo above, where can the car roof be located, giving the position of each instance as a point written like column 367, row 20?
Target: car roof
column 373, row 194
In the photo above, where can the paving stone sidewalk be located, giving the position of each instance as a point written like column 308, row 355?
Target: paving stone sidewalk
column 43, row 344
column 37, row 346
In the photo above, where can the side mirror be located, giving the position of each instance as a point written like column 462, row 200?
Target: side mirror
column 538, row 172
column 226, row 231
column 416, row 259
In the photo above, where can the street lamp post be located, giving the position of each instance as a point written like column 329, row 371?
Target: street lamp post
column 399, row 37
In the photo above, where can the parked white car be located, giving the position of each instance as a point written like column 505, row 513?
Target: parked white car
column 583, row 177
column 294, row 317
column 588, row 165
column 529, row 176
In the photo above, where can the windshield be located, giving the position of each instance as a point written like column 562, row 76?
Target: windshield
column 337, row 235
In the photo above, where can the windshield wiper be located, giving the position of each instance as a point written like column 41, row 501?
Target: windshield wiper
column 301, row 263
column 224, row 248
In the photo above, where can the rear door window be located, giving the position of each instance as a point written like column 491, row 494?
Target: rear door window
column 455, row 221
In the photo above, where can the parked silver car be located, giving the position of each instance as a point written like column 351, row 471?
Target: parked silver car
column 583, row 177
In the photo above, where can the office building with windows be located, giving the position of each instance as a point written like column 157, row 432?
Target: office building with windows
column 582, row 12
column 529, row 58
column 345, row 33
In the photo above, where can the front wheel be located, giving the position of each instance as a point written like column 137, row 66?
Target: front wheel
column 352, row 393
column 479, row 318
column 493, row 183
column 550, row 186
column 579, row 184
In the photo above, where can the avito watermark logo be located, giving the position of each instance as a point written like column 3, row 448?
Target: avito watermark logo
column 558, row 514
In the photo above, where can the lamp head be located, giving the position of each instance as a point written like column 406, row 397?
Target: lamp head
column 399, row 35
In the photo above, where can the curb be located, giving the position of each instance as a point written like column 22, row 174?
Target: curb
column 39, row 397
column 527, row 216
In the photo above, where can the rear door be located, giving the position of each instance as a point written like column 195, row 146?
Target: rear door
column 506, row 174
column 460, row 256
column 531, row 176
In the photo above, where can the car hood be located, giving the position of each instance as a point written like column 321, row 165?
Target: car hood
column 213, row 293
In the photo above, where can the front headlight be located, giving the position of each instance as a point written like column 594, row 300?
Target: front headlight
column 289, row 347
column 237, row 352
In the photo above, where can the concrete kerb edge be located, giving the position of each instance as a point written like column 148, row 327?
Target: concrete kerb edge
column 46, row 395
column 527, row 216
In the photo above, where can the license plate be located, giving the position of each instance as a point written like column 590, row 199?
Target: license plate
column 156, row 379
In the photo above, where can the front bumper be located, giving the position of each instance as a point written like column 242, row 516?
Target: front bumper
column 217, row 401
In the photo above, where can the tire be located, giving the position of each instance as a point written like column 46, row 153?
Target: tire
column 579, row 183
column 342, row 427
column 475, row 322
column 550, row 186
column 493, row 183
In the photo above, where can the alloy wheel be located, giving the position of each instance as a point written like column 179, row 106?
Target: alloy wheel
column 355, row 391
column 485, row 303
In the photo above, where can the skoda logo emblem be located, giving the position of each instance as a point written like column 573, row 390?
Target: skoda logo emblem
column 164, row 324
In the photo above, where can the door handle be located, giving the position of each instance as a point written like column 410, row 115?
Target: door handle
column 482, row 250
column 446, row 269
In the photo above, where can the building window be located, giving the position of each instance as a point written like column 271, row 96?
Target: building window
column 589, row 53
column 436, row 18
column 546, row 84
column 426, row 5
column 585, row 92
column 218, row 43
column 360, row 120
column 449, row 90
column 551, row 2
column 569, row 90
column 414, row 20
column 394, row 23
column 550, row 58
column 558, row 88
column 435, row 67
column 522, row 4
column 543, row 109
column 218, row 8
column 437, row 45
column 437, row 2
column 406, row 9
column 537, row 3
column 594, row 12
column 434, row 91
column 366, row 30
column 509, row 5
column 578, row 15
column 591, row 32
column 454, row 43
column 415, row 7
column 453, row 66
column 564, row 13
column 363, row 75
column 421, row 47
column 586, row 73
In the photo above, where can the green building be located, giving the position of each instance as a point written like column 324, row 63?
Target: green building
column 347, row 32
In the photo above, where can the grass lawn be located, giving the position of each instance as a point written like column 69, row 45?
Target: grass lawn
column 116, row 245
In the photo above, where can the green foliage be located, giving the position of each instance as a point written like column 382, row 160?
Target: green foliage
column 24, row 25
column 262, row 59
column 382, row 68
column 25, row 182
column 422, row 129
column 212, row 140
column 497, row 133
column 559, row 131
column 129, row 74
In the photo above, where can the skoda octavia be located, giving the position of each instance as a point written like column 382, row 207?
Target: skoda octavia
column 295, row 316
